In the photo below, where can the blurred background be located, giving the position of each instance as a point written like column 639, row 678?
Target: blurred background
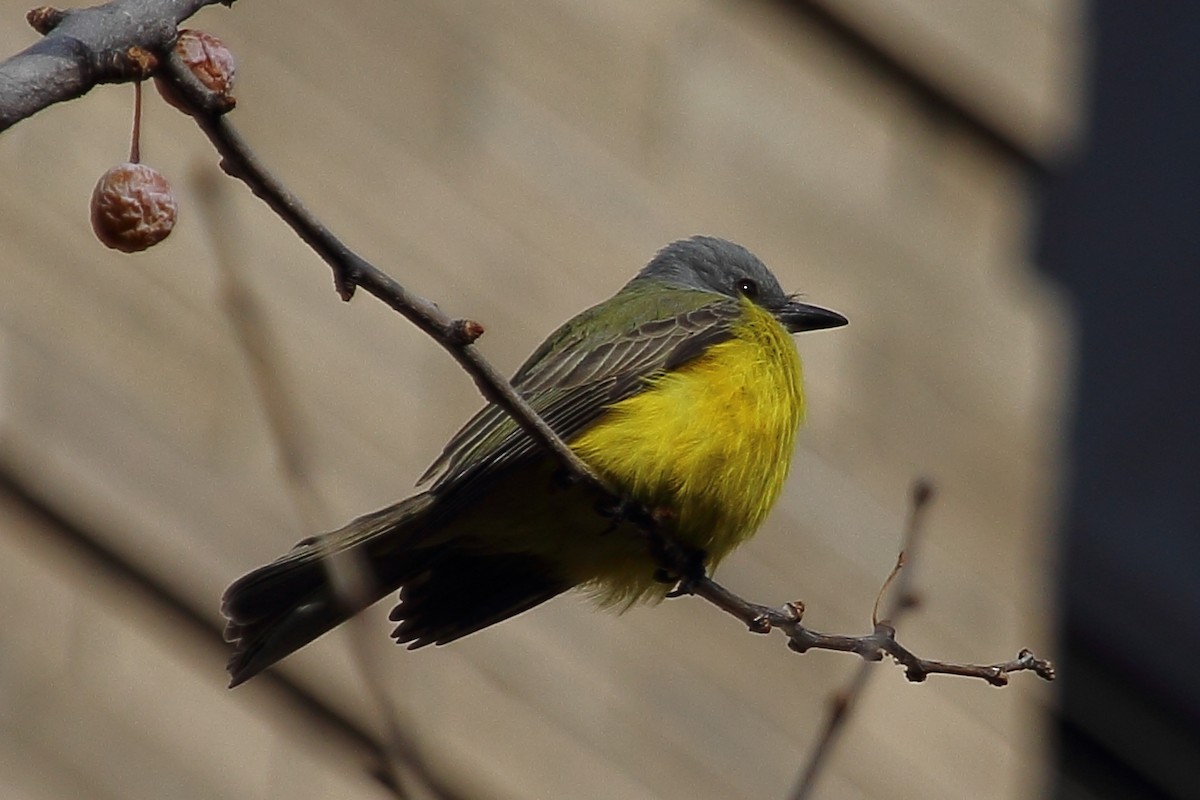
column 1016, row 252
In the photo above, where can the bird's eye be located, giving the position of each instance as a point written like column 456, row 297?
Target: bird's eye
column 748, row 288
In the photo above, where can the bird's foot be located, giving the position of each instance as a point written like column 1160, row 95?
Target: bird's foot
column 688, row 568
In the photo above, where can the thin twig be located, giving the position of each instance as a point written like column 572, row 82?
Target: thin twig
column 456, row 336
column 901, row 600
column 347, row 572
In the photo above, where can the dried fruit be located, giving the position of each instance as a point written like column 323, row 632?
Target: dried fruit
column 133, row 208
column 209, row 60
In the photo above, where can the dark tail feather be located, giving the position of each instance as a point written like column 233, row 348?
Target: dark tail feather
column 282, row 606
column 462, row 592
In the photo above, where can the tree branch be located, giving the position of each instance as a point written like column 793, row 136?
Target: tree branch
column 871, row 646
column 901, row 600
column 111, row 43
column 457, row 336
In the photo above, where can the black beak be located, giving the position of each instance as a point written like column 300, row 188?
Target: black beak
column 799, row 317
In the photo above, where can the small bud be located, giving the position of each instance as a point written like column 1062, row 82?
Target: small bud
column 133, row 208
column 137, row 62
column 465, row 331
column 209, row 60
column 44, row 19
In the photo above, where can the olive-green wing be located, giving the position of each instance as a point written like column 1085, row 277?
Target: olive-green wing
column 580, row 371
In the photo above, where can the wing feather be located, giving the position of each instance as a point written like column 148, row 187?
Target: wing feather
column 576, row 374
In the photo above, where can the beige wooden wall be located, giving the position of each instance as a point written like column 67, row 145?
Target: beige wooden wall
column 518, row 162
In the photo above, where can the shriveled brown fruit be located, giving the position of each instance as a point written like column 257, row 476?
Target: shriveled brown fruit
column 209, row 60
column 133, row 208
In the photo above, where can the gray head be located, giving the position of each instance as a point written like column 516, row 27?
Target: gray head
column 716, row 265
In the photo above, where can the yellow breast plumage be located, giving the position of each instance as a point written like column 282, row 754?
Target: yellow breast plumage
column 711, row 440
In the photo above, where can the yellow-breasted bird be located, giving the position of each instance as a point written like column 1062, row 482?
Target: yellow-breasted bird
column 683, row 390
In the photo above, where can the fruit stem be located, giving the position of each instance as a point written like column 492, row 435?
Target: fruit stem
column 135, row 147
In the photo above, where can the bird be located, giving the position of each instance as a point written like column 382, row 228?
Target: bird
column 683, row 391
